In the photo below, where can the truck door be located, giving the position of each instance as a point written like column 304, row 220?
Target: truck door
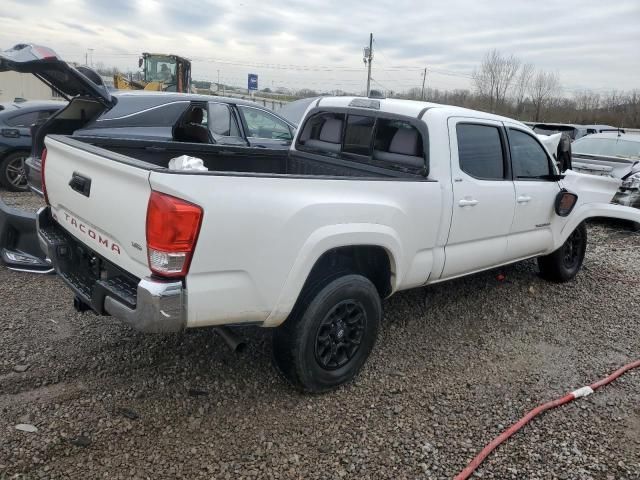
column 483, row 196
column 535, row 191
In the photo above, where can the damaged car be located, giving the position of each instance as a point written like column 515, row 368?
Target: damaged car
column 615, row 155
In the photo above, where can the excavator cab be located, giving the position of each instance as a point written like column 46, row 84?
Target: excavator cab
column 160, row 72
column 169, row 73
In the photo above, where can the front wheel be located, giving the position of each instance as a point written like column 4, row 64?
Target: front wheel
column 565, row 263
column 330, row 334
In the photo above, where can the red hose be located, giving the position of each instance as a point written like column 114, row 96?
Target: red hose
column 581, row 392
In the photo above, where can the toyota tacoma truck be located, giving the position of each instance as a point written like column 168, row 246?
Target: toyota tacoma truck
column 375, row 196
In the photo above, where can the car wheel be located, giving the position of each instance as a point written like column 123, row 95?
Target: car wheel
column 12, row 173
column 328, row 337
column 565, row 263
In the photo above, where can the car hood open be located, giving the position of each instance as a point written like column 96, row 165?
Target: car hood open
column 45, row 64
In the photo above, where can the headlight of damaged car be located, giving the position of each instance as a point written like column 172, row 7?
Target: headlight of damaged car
column 631, row 182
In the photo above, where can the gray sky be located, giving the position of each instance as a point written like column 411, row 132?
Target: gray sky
column 590, row 43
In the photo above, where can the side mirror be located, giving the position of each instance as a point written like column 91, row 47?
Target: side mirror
column 565, row 201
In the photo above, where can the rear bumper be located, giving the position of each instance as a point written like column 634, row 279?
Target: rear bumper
column 159, row 307
column 148, row 305
column 19, row 248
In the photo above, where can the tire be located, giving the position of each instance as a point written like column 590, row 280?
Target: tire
column 12, row 174
column 330, row 333
column 565, row 263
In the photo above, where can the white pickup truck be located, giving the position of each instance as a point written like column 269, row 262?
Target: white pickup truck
column 375, row 196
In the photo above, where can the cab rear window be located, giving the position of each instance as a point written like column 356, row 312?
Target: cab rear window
column 369, row 139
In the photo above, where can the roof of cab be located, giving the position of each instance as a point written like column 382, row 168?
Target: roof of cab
column 411, row 108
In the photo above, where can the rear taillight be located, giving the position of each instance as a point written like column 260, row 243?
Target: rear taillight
column 43, row 159
column 173, row 226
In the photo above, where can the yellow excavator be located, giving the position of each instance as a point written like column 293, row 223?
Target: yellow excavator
column 160, row 73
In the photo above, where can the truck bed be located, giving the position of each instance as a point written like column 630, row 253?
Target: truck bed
column 231, row 159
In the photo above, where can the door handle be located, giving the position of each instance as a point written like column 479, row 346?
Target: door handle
column 10, row 132
column 524, row 199
column 80, row 184
column 468, row 203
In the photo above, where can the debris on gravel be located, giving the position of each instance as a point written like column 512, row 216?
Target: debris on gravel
column 455, row 364
column 26, row 427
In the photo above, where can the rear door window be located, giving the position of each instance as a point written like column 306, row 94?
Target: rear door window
column 43, row 115
column 528, row 159
column 23, row 119
column 480, row 151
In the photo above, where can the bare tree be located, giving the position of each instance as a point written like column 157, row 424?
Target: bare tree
column 544, row 86
column 522, row 83
column 586, row 104
column 494, row 77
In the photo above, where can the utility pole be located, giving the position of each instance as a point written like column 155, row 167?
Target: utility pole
column 218, row 89
column 424, row 78
column 91, row 56
column 368, row 58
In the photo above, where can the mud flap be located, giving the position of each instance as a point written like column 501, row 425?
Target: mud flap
column 19, row 246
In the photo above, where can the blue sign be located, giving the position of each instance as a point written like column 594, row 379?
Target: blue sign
column 253, row 81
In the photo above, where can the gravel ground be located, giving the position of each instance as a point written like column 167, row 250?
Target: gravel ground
column 455, row 364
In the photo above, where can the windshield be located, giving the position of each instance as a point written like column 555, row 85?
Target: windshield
column 160, row 68
column 610, row 147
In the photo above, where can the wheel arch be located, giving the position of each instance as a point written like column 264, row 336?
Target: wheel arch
column 373, row 252
column 14, row 149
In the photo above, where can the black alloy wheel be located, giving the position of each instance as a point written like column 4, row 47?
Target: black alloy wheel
column 340, row 334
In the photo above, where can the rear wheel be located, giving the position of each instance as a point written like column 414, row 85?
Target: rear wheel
column 565, row 263
column 12, row 173
column 330, row 334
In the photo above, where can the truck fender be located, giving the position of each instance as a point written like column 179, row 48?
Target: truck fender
column 593, row 210
column 328, row 238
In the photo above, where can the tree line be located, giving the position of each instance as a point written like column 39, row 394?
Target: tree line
column 504, row 85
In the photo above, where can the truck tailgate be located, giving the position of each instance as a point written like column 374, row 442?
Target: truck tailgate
column 101, row 201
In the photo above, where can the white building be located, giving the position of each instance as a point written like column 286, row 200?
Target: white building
column 18, row 85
